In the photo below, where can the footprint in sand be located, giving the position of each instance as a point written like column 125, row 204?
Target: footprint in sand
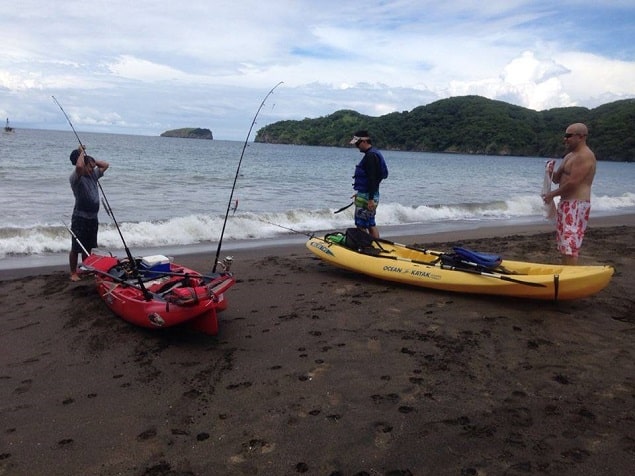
column 146, row 435
column 24, row 387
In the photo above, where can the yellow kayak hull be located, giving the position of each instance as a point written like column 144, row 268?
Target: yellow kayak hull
column 403, row 264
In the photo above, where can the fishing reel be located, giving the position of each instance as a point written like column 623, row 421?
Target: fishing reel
column 226, row 263
column 128, row 269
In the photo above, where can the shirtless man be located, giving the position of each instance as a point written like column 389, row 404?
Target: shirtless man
column 574, row 177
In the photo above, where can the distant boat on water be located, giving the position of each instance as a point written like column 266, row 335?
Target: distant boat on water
column 7, row 127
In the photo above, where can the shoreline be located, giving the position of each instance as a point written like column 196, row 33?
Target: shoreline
column 319, row 371
column 192, row 255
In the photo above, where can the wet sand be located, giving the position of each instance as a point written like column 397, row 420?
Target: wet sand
column 321, row 371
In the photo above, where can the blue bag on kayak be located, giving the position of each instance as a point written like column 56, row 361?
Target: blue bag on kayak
column 486, row 260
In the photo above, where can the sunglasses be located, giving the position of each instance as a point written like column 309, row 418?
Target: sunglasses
column 569, row 135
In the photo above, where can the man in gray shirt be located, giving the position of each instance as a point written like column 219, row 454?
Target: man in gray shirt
column 84, row 222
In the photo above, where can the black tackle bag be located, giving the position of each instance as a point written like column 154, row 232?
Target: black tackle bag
column 358, row 240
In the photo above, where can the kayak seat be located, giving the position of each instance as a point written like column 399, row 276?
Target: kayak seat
column 118, row 272
column 486, row 260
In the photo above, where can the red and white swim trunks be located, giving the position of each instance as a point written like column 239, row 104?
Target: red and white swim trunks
column 572, row 220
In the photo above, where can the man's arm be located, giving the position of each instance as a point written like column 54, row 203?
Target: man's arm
column 103, row 165
column 373, row 171
column 80, row 164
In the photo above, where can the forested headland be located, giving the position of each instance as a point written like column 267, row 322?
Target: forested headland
column 470, row 125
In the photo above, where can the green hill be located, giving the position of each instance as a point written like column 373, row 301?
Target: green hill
column 189, row 133
column 470, row 125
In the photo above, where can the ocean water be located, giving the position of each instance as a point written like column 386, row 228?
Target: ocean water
column 169, row 193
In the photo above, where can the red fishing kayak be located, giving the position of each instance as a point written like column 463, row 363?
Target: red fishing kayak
column 156, row 293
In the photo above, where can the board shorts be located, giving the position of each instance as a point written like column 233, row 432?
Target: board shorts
column 572, row 220
column 364, row 218
column 85, row 230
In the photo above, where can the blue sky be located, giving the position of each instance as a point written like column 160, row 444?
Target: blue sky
column 146, row 66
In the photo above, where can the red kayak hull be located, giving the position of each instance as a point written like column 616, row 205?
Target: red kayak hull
column 173, row 296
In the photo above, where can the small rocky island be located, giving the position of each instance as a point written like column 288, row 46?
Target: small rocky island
column 189, row 133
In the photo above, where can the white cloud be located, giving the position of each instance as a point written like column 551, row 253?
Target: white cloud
column 141, row 70
column 595, row 76
column 528, row 69
column 139, row 67
column 525, row 81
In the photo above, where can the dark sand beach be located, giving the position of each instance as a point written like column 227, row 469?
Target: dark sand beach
column 320, row 371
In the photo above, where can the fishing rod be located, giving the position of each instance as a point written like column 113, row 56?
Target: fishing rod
column 478, row 269
column 76, row 239
column 104, row 200
column 110, row 213
column 344, row 207
column 108, row 209
column 231, row 195
column 69, row 121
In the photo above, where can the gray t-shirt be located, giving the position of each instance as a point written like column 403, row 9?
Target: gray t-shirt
column 86, row 191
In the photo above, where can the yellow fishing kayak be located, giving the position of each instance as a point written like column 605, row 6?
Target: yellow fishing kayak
column 391, row 261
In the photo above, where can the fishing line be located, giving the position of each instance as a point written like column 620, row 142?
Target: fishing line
column 231, row 195
column 109, row 211
column 310, row 235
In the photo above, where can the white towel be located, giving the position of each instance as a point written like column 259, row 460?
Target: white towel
column 550, row 206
